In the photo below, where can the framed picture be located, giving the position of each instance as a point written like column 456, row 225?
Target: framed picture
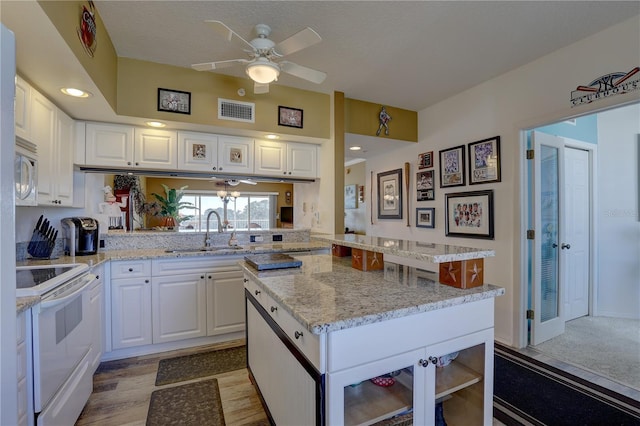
column 452, row 167
column 425, row 185
column 469, row 214
column 350, row 199
column 484, row 161
column 174, row 101
column 425, row 160
column 390, row 194
column 290, row 117
column 425, row 217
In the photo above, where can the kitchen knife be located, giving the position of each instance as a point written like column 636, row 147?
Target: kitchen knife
column 34, row 235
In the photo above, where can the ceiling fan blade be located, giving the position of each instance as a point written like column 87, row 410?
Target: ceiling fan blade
column 298, row 41
column 230, row 35
column 210, row 66
column 305, row 73
column 259, row 88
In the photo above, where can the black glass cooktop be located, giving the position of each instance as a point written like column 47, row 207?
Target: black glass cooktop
column 27, row 278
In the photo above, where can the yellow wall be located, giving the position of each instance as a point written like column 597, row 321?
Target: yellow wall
column 361, row 118
column 138, row 83
column 155, row 185
column 102, row 67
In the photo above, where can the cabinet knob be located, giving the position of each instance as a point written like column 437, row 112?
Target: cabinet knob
column 426, row 362
column 202, row 277
column 146, row 281
column 219, row 168
column 274, row 308
column 214, row 168
column 297, row 334
column 257, row 292
column 245, row 280
column 209, row 276
column 289, row 172
column 97, row 277
column 128, row 163
column 130, row 269
column 137, row 163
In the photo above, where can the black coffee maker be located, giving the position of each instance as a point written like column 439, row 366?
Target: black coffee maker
column 80, row 236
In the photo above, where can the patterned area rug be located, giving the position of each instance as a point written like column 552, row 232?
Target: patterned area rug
column 204, row 364
column 197, row 403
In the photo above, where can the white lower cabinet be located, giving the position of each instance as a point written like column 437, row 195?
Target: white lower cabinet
column 178, row 307
column 165, row 300
column 225, row 300
column 373, row 372
column 96, row 302
column 24, row 371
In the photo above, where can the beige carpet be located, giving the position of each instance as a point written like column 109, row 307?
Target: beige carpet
column 607, row 346
column 196, row 403
column 188, row 367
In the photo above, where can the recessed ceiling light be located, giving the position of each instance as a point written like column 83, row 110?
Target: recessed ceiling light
column 155, row 124
column 76, row 93
column 355, row 148
column 272, row 136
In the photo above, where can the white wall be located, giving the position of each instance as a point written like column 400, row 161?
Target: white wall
column 618, row 218
column 532, row 95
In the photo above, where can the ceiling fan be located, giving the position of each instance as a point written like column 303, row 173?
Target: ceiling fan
column 264, row 62
column 236, row 182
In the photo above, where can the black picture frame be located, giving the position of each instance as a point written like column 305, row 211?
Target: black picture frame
column 452, row 167
column 484, row 161
column 469, row 214
column 425, row 160
column 390, row 194
column 425, row 217
column 290, row 117
column 174, row 101
column 425, row 185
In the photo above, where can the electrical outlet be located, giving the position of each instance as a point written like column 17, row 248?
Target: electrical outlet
column 256, row 238
column 277, row 238
column 101, row 244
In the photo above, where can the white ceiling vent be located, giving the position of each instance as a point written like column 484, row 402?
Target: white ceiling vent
column 236, row 110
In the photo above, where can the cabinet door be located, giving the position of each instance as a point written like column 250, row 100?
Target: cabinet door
column 96, row 308
column 286, row 387
column 43, row 119
column 271, row 158
column 130, row 312
column 22, row 109
column 24, row 370
column 235, row 155
column 63, row 158
column 225, row 301
column 179, row 307
column 109, row 145
column 197, row 151
column 460, row 388
column 377, row 391
column 302, row 160
column 156, row 149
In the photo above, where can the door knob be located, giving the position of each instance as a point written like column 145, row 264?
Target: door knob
column 565, row 246
column 554, row 245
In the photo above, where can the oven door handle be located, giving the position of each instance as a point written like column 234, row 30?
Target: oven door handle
column 59, row 301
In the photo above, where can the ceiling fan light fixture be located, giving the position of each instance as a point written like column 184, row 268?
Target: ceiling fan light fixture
column 263, row 71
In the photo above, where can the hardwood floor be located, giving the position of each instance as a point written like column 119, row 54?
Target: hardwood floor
column 121, row 392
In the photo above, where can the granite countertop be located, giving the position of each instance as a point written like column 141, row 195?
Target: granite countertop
column 428, row 252
column 326, row 294
column 23, row 303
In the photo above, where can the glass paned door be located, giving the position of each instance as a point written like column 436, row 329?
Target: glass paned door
column 548, row 320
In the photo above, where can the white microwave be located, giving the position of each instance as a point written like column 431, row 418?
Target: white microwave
column 26, row 174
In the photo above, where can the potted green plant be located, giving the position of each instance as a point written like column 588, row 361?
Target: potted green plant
column 170, row 206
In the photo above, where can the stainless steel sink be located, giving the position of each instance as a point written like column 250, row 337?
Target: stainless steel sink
column 201, row 249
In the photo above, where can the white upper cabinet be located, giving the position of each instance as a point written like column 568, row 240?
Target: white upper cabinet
column 114, row 145
column 197, row 152
column 22, row 109
column 156, row 149
column 287, row 159
column 235, row 154
column 109, row 145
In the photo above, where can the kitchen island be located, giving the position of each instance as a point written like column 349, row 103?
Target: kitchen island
column 331, row 344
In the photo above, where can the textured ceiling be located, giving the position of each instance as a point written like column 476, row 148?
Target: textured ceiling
column 404, row 54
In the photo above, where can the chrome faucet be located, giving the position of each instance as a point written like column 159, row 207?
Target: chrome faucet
column 207, row 239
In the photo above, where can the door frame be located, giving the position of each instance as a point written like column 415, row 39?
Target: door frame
column 525, row 258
